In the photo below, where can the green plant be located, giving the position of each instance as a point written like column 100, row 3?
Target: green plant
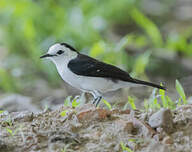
column 63, row 113
column 75, row 103
column 131, row 101
column 166, row 101
column 67, row 101
column 10, row 131
column 13, row 132
column 180, row 42
column 9, row 121
column 124, row 148
column 149, row 27
column 181, row 92
column 152, row 102
column 1, row 111
column 72, row 102
column 107, row 104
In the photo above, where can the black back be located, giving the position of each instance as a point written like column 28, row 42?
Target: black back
column 86, row 66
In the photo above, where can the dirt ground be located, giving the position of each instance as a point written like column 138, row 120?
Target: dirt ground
column 87, row 128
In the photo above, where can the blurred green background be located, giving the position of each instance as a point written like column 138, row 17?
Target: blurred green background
column 151, row 39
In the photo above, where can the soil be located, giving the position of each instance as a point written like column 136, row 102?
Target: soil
column 86, row 128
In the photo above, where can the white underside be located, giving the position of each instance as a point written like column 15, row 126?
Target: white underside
column 89, row 84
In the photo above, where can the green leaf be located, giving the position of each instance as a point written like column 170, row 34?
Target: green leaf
column 132, row 140
column 149, row 27
column 9, row 131
column 67, row 101
column 171, row 104
column 179, row 102
column 131, row 102
column 146, row 105
column 163, row 98
column 181, row 92
column 156, row 105
column 63, row 113
column 75, row 103
column 124, row 148
column 107, row 104
column 126, row 106
column 1, row 111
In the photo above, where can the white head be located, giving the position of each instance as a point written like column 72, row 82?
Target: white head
column 60, row 52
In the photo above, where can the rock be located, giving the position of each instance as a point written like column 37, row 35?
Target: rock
column 144, row 128
column 123, row 125
column 167, row 140
column 129, row 127
column 139, row 127
column 89, row 112
column 91, row 115
column 163, row 118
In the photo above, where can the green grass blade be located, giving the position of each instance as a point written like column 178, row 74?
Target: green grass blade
column 124, row 148
column 149, row 27
column 107, row 104
column 181, row 92
column 163, row 98
column 132, row 102
column 63, row 113
column 171, row 104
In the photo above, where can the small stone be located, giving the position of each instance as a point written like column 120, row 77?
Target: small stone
column 162, row 118
column 168, row 140
column 129, row 127
column 123, row 125
column 91, row 113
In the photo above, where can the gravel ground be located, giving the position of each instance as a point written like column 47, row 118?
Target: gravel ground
column 87, row 128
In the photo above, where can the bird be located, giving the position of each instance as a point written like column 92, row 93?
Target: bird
column 89, row 74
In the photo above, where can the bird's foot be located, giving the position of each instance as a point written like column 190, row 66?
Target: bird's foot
column 97, row 100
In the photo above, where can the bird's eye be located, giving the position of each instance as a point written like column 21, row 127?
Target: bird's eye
column 60, row 52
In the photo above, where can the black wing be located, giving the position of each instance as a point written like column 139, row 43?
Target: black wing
column 87, row 66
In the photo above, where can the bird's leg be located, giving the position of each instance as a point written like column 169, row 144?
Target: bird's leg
column 94, row 100
column 97, row 97
column 98, row 100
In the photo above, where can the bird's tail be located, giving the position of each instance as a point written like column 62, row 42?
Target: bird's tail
column 148, row 84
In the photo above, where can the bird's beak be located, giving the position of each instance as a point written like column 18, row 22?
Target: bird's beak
column 46, row 55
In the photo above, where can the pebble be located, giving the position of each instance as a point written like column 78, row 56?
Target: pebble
column 167, row 140
column 163, row 118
